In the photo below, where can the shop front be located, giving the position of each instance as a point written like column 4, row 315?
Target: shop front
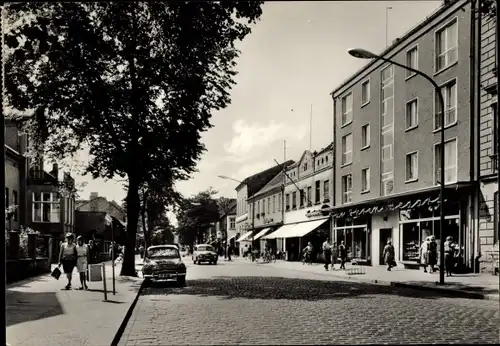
column 406, row 220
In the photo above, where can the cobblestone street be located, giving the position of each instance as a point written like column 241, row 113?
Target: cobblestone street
column 244, row 303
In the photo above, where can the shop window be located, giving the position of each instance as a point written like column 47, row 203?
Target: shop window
column 359, row 242
column 411, row 241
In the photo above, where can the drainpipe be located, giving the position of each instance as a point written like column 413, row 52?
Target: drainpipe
column 472, row 93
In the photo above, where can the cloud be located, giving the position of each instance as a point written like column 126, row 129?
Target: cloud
column 249, row 137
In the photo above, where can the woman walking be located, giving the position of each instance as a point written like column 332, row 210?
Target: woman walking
column 343, row 255
column 327, row 252
column 432, row 251
column 424, row 258
column 67, row 257
column 82, row 261
column 449, row 253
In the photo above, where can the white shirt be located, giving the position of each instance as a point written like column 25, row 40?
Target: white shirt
column 327, row 246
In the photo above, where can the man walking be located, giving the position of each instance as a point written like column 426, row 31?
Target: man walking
column 343, row 255
column 327, row 252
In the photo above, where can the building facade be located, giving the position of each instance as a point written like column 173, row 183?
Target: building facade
column 98, row 203
column 488, row 139
column 16, row 169
column 308, row 190
column 226, row 225
column 387, row 140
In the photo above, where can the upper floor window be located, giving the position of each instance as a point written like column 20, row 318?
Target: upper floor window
column 326, row 191
column 365, row 92
column 449, row 91
column 317, row 192
column 274, row 204
column 347, row 109
column 347, row 149
column 309, row 195
column 411, row 60
column 280, row 196
column 365, row 179
column 450, row 162
column 46, row 207
column 365, row 136
column 446, row 45
column 411, row 114
column 294, row 200
column 387, row 96
column 269, row 205
column 258, row 207
column 287, row 202
column 496, row 130
column 412, row 166
column 232, row 223
column 305, row 167
column 302, row 197
column 346, row 188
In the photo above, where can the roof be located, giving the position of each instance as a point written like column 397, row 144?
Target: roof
column 83, row 202
column 257, row 181
column 328, row 148
column 400, row 41
column 314, row 154
column 277, row 181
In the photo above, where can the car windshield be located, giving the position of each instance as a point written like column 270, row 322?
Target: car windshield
column 163, row 252
column 205, row 248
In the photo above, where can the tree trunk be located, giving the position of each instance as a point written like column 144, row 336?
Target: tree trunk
column 133, row 209
column 147, row 236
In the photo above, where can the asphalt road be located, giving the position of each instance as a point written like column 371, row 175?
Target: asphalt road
column 245, row 303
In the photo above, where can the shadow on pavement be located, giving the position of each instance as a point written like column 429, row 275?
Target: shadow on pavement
column 29, row 306
column 284, row 288
column 27, row 283
column 455, row 286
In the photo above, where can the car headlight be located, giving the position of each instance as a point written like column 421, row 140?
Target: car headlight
column 147, row 268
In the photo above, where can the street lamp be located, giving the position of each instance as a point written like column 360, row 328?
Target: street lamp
column 364, row 54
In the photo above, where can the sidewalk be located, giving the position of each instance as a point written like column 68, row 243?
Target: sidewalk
column 40, row 312
column 478, row 286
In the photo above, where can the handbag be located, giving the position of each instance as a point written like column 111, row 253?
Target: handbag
column 56, row 273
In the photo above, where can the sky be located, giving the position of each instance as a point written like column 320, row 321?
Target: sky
column 294, row 57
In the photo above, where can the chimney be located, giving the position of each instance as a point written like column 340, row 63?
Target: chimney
column 55, row 170
column 94, row 195
column 396, row 40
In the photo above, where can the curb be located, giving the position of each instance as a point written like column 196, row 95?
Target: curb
column 128, row 314
column 449, row 291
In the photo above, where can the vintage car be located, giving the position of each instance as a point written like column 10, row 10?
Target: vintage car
column 164, row 262
column 204, row 253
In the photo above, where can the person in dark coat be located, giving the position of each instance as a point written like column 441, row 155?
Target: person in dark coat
column 432, row 253
column 389, row 255
column 343, row 254
column 449, row 255
column 93, row 252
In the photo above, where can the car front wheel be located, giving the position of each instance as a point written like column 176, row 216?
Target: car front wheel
column 181, row 280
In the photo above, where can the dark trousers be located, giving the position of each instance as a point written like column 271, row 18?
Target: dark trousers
column 342, row 262
column 328, row 256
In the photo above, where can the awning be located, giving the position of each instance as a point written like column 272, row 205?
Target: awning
column 301, row 229
column 244, row 236
column 261, row 233
column 280, row 233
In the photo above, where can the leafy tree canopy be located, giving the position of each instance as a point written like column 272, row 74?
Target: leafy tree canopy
column 134, row 81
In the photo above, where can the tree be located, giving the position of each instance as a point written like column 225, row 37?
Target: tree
column 136, row 82
column 195, row 215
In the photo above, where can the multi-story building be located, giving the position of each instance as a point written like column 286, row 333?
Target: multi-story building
column 245, row 210
column 488, row 130
column 308, row 190
column 101, row 204
column 226, row 225
column 16, row 170
column 387, row 140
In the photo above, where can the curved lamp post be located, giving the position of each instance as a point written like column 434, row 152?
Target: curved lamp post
column 364, row 54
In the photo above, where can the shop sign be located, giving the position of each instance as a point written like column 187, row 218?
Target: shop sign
column 409, row 204
column 270, row 220
column 246, row 226
column 324, row 211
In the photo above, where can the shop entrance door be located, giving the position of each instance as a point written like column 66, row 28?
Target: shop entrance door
column 385, row 235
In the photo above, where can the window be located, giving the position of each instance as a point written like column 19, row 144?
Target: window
column 347, row 109
column 269, row 205
column 411, row 60
column 365, row 92
column 387, row 182
column 15, row 202
column 302, row 197
column 446, row 45
column 305, row 167
column 365, row 179
column 365, row 136
column 387, row 139
column 274, row 204
column 496, row 130
column 46, row 207
column 258, row 207
column 294, row 200
column 287, row 201
column 326, row 158
column 411, row 114
column 347, row 149
column 317, row 192
column 326, row 191
column 449, row 91
column 309, row 195
column 280, row 201
column 412, row 166
column 232, row 223
column 346, row 188
column 450, row 162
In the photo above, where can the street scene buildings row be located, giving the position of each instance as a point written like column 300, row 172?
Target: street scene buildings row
column 379, row 179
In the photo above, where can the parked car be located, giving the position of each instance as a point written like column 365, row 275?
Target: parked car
column 164, row 262
column 204, row 253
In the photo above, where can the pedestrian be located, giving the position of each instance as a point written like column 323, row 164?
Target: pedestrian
column 229, row 252
column 424, row 256
column 308, row 254
column 82, row 261
column 343, row 254
column 449, row 253
column 432, row 253
column 334, row 255
column 141, row 251
column 93, row 252
column 388, row 255
column 67, row 257
column 327, row 252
